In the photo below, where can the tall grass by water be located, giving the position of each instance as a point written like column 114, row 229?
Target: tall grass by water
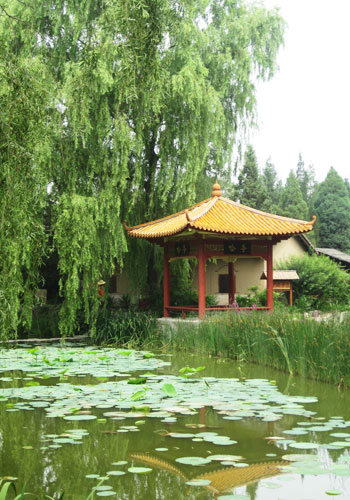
column 8, row 491
column 315, row 349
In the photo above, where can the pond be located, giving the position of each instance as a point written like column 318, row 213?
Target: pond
column 138, row 426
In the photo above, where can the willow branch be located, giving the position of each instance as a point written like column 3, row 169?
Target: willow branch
column 12, row 17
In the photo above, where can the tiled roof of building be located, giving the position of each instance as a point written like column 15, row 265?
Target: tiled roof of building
column 221, row 215
column 283, row 275
column 335, row 254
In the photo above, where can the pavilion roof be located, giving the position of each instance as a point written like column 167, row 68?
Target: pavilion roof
column 221, row 215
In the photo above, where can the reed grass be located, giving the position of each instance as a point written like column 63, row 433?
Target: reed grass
column 314, row 349
column 8, row 491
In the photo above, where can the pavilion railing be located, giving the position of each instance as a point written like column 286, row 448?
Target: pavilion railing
column 215, row 308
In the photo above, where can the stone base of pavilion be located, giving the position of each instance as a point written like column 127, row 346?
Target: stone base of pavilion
column 171, row 325
column 184, row 310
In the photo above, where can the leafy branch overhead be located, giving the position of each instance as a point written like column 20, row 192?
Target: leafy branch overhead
column 113, row 110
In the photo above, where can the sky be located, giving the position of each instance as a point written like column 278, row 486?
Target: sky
column 305, row 108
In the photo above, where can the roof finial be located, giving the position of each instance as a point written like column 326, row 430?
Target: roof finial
column 313, row 220
column 188, row 217
column 216, row 189
column 127, row 228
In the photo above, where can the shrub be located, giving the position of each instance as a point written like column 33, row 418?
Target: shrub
column 322, row 283
column 124, row 327
column 258, row 298
column 45, row 319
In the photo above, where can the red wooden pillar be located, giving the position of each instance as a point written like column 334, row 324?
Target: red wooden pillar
column 201, row 280
column 269, row 276
column 166, row 283
column 231, row 283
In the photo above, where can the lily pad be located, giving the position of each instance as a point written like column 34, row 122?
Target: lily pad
column 80, row 417
column 198, row 482
column 233, row 497
column 181, row 435
column 139, row 470
column 304, row 446
column 293, row 457
column 193, row 461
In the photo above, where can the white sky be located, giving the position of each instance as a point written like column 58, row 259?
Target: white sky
column 306, row 106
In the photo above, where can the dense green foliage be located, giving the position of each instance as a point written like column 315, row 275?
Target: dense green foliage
column 306, row 180
column 118, row 327
column 262, row 189
column 322, row 284
column 332, row 206
column 113, row 110
column 291, row 202
column 315, row 349
column 300, row 197
column 250, row 188
column 272, row 187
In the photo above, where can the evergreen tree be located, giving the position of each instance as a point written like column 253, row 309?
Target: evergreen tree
column 332, row 205
column 250, row 188
column 292, row 203
column 119, row 107
column 273, row 188
column 306, row 178
column 347, row 184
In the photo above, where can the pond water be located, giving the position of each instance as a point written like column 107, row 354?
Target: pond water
column 133, row 426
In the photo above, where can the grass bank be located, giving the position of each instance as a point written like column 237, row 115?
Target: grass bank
column 319, row 350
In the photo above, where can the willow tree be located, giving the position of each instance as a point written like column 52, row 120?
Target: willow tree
column 113, row 109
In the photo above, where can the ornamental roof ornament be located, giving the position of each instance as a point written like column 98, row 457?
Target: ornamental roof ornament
column 216, row 189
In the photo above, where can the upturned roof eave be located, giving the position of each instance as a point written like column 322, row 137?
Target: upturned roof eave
column 214, row 207
column 218, row 232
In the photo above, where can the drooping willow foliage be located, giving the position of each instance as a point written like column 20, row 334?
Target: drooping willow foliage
column 113, row 109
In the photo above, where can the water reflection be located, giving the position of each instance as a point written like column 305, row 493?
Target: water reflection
column 26, row 447
column 222, row 479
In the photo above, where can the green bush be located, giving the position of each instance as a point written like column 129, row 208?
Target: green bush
column 45, row 319
column 124, row 327
column 258, row 298
column 45, row 323
column 322, row 283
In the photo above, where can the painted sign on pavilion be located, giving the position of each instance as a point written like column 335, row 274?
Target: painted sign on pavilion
column 218, row 228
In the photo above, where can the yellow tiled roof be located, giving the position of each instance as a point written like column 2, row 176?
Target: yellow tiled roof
column 221, row 215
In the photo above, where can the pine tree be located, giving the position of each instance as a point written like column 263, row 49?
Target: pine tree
column 306, row 178
column 292, row 203
column 250, row 188
column 273, row 188
column 332, row 205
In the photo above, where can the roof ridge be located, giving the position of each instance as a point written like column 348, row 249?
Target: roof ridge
column 168, row 217
column 261, row 212
column 206, row 210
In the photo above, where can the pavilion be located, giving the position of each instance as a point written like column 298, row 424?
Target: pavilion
column 218, row 228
